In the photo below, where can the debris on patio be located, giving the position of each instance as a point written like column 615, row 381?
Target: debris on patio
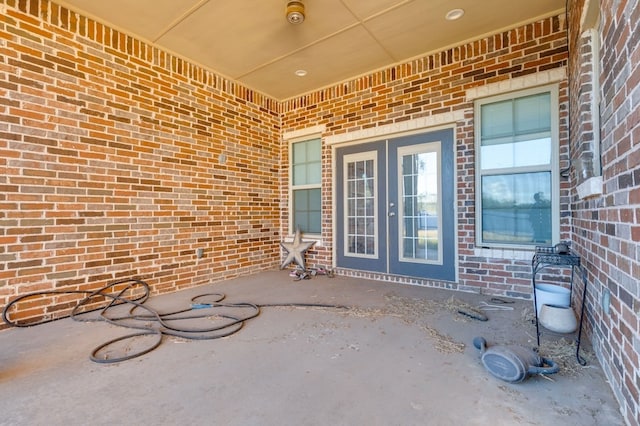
column 413, row 311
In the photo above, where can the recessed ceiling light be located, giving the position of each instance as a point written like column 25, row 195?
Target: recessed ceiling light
column 454, row 14
column 301, row 73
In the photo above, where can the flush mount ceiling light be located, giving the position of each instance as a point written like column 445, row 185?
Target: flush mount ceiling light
column 454, row 14
column 300, row 73
column 295, row 12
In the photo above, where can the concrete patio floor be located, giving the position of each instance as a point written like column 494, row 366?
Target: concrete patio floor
column 401, row 356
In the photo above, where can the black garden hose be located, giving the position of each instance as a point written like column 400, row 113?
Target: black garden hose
column 152, row 322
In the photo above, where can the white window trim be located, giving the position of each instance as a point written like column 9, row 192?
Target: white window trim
column 530, row 81
column 554, row 166
column 590, row 23
column 301, row 136
column 402, row 128
column 592, row 187
column 304, row 134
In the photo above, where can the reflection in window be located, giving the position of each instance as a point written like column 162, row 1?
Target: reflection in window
column 516, row 144
column 516, row 208
column 306, row 207
column 306, row 179
column 420, row 229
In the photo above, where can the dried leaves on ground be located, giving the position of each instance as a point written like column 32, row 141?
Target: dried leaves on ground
column 563, row 353
column 415, row 311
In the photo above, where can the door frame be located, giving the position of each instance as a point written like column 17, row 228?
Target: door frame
column 373, row 137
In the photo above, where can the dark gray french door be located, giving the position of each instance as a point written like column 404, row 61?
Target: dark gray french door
column 395, row 206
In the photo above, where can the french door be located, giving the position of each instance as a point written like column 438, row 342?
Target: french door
column 395, row 206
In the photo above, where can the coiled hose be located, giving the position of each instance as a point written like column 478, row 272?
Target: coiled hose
column 229, row 318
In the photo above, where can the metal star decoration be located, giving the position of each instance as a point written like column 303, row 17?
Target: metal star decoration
column 295, row 250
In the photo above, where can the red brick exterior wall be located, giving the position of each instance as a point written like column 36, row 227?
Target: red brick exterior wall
column 606, row 228
column 429, row 86
column 120, row 160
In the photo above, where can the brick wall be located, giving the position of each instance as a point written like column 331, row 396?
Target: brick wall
column 120, row 160
column 430, row 87
column 606, row 228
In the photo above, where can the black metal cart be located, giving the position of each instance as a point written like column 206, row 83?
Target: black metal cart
column 552, row 257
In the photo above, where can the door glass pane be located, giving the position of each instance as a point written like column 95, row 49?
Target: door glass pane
column 517, row 208
column 360, row 235
column 420, row 206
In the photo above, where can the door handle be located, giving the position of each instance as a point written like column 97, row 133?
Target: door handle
column 392, row 213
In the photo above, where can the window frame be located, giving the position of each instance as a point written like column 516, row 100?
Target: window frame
column 293, row 188
column 351, row 158
column 552, row 167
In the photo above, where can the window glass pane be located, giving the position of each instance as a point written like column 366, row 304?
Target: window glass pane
column 315, row 220
column 408, row 184
column 314, row 161
column 351, row 171
column 306, row 162
column 517, row 154
column 300, row 200
column 351, row 189
column 302, row 222
column 314, row 173
column 299, row 174
column 307, row 210
column 351, row 244
column 532, row 114
column 516, row 208
column 370, row 245
column 368, row 169
column 315, row 202
column 407, row 165
column 314, row 150
column 497, row 119
column 299, row 153
column 369, row 205
column 369, row 187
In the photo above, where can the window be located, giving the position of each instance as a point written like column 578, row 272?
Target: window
column 516, row 169
column 306, row 186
